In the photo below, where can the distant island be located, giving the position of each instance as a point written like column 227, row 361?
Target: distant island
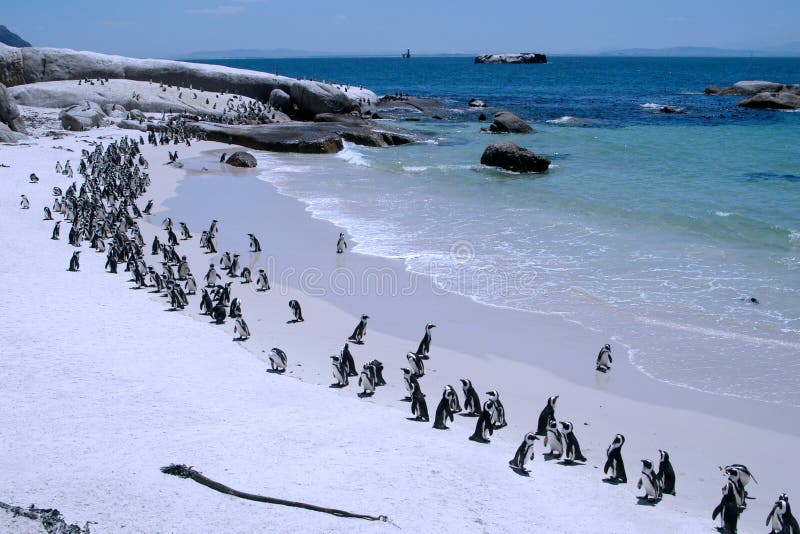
column 12, row 39
column 522, row 58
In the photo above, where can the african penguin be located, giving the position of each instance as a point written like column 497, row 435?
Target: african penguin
column 444, row 410
column 472, row 404
column 360, row 331
column 278, row 360
column 649, row 482
column 548, row 414
column 614, row 462
column 524, row 453
column 483, row 425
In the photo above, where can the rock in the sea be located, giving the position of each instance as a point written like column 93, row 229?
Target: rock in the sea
column 476, row 103
column 512, row 157
column 511, row 58
column 281, row 101
column 507, row 122
column 81, row 116
column 482, row 117
column 241, row 159
column 767, row 100
column 9, row 112
column 7, row 135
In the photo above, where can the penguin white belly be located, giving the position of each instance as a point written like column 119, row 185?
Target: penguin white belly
column 649, row 488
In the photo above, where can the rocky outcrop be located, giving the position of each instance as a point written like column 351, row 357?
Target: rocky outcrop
column 761, row 94
column 778, row 100
column 310, row 97
column 476, row 103
column 80, row 117
column 7, row 135
column 512, row 157
column 745, row 88
column 279, row 100
column 507, row 122
column 242, row 159
column 10, row 66
column 9, row 112
column 512, row 58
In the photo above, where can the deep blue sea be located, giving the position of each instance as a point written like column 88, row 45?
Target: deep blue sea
column 655, row 228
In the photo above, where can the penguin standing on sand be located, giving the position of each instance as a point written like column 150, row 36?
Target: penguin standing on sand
column 262, row 282
column 297, row 312
column 728, row 508
column 366, row 381
column 780, row 519
column 554, row 439
column 743, row 477
column 604, row 359
column 455, row 405
column 225, row 261
column 75, row 262
column 155, row 247
column 255, row 246
column 377, row 367
column 524, row 453
column 483, row 426
column 278, row 360
column 666, row 474
column 48, row 216
column 218, row 313
column 235, row 309
column 649, row 482
column 339, row 372
column 425, row 344
column 341, row 244
column 548, row 414
column 499, row 414
column 472, row 404
column 242, row 329
column 191, row 285
column 415, row 364
column 24, row 203
column 148, row 207
column 348, row 361
column 56, row 230
column 206, row 305
column 418, row 405
column 444, row 410
column 573, row 448
column 233, row 269
column 246, row 276
column 409, row 380
column 211, row 277
column 185, row 233
column 358, row 334
column 614, row 462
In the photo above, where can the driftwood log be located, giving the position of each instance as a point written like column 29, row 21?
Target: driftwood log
column 188, row 472
column 50, row 518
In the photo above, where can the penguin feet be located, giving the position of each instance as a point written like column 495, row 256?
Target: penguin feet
column 479, row 439
column 440, row 427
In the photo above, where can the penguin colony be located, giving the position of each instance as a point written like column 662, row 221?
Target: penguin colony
column 103, row 211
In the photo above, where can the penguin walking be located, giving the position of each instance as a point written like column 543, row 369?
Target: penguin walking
column 604, row 359
column 614, row 462
column 419, row 408
column 425, row 344
column 278, row 360
column 415, row 364
column 341, row 244
column 348, row 361
column 444, row 410
column 56, row 230
column 649, row 482
column 242, row 329
column 554, row 439
column 24, row 203
column 780, row 518
column 262, row 282
column 75, row 262
column 666, row 474
column 548, row 414
column 296, row 311
column 358, row 334
column 483, row 426
column 728, row 508
column 572, row 451
column 339, row 372
column 255, row 245
column 472, row 404
column 499, row 414
column 366, row 381
column 524, row 454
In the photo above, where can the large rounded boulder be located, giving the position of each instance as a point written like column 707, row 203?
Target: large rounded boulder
column 781, row 100
column 512, row 157
column 9, row 112
column 242, row 159
column 80, row 117
column 507, row 122
column 280, row 100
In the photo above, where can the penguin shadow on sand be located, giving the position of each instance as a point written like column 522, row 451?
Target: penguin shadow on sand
column 365, row 395
column 521, row 472
column 646, row 501
column 612, row 481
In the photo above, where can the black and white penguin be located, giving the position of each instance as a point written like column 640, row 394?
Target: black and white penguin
column 278, row 360
column 444, row 410
column 614, row 462
column 242, row 329
column 341, row 244
column 155, row 248
column 246, row 276
column 416, row 364
column 262, row 282
column 425, row 344
column 409, row 380
column 206, row 304
column 225, row 261
column 367, row 381
column 224, row 154
column 297, row 312
column 56, row 230
column 483, row 426
column 75, row 261
column 780, row 518
column 255, row 246
column 166, row 224
column 339, row 372
column 377, row 367
column 48, row 216
column 548, row 414
column 348, row 361
column 742, row 476
column 499, row 414
column 211, row 277
column 649, row 482
column 235, row 309
column 455, row 405
column 604, row 359
column 233, row 269
column 24, row 203
column 554, row 439
column 218, row 313
column 57, row 192
column 33, row 178
column 358, row 334
column 191, row 284
column 728, row 507
column 148, row 207
column 572, row 451
column 524, row 453
column 419, row 408
column 185, row 233
column 666, row 474
column 472, row 404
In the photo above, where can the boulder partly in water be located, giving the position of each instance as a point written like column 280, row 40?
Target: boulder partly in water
column 512, row 157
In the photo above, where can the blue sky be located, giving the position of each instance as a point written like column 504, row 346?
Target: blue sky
column 169, row 28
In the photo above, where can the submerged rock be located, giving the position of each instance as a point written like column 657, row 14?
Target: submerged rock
column 507, row 122
column 512, row 157
column 511, row 58
column 242, row 159
column 476, row 103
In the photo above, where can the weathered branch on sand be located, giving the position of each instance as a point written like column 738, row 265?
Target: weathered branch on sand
column 50, row 518
column 187, row 472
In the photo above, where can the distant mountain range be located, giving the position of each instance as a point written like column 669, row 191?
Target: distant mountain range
column 12, row 39
column 786, row 50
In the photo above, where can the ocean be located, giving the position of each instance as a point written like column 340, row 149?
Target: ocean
column 655, row 228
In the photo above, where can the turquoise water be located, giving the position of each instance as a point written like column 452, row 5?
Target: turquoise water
column 651, row 228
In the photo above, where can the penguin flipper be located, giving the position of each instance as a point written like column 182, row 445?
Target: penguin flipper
column 717, row 510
